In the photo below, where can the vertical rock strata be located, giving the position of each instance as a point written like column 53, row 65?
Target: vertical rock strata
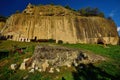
column 68, row 28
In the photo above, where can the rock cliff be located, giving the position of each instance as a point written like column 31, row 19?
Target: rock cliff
column 58, row 23
column 2, row 25
column 2, row 22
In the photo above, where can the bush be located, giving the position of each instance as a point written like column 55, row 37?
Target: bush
column 60, row 42
column 68, row 7
column 4, row 53
column 51, row 40
column 3, row 19
column 67, row 42
column 88, row 11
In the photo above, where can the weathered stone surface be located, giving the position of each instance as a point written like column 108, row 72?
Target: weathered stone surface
column 54, row 56
column 36, row 68
column 33, row 65
column 29, row 62
column 13, row 66
column 119, row 40
column 25, row 60
column 50, row 58
column 32, row 71
column 2, row 24
column 45, row 65
column 37, row 24
column 68, row 64
column 22, row 66
column 57, row 69
column 40, row 70
column 51, row 70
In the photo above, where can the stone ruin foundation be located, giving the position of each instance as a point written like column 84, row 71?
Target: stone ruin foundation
column 50, row 58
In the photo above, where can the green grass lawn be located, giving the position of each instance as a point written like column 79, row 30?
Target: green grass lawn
column 110, row 68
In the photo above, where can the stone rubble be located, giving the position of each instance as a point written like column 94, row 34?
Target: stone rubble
column 31, row 71
column 49, row 58
column 13, row 66
column 40, row 70
column 45, row 65
column 57, row 69
column 25, row 60
column 22, row 66
column 51, row 70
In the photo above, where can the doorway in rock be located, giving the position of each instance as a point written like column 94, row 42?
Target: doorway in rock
column 100, row 41
column 11, row 37
column 35, row 38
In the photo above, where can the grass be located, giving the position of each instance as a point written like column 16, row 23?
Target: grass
column 5, row 71
column 112, row 51
column 109, row 68
column 112, row 66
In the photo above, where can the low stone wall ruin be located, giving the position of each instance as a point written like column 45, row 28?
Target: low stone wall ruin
column 50, row 58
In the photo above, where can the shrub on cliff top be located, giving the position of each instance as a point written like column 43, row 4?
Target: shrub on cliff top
column 88, row 11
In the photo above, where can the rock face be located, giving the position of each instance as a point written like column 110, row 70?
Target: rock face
column 119, row 40
column 58, row 23
column 2, row 25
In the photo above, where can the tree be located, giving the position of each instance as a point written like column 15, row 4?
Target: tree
column 17, row 11
column 40, row 4
column 101, row 14
column 3, row 19
column 95, row 11
column 68, row 7
column 82, row 11
column 88, row 11
column 52, row 4
column 110, row 18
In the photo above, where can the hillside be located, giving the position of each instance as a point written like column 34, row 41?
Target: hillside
column 105, row 70
column 48, row 10
column 58, row 23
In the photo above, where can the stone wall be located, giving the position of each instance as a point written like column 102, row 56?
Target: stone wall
column 56, row 56
column 51, row 58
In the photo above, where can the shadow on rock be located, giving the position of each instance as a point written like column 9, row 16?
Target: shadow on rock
column 90, row 72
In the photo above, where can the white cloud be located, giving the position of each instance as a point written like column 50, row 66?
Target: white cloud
column 118, row 29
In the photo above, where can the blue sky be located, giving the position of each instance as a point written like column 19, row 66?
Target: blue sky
column 109, row 7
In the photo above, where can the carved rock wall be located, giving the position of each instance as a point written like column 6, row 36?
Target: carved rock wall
column 69, row 29
column 2, row 25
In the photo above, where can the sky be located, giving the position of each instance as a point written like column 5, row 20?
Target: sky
column 109, row 7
